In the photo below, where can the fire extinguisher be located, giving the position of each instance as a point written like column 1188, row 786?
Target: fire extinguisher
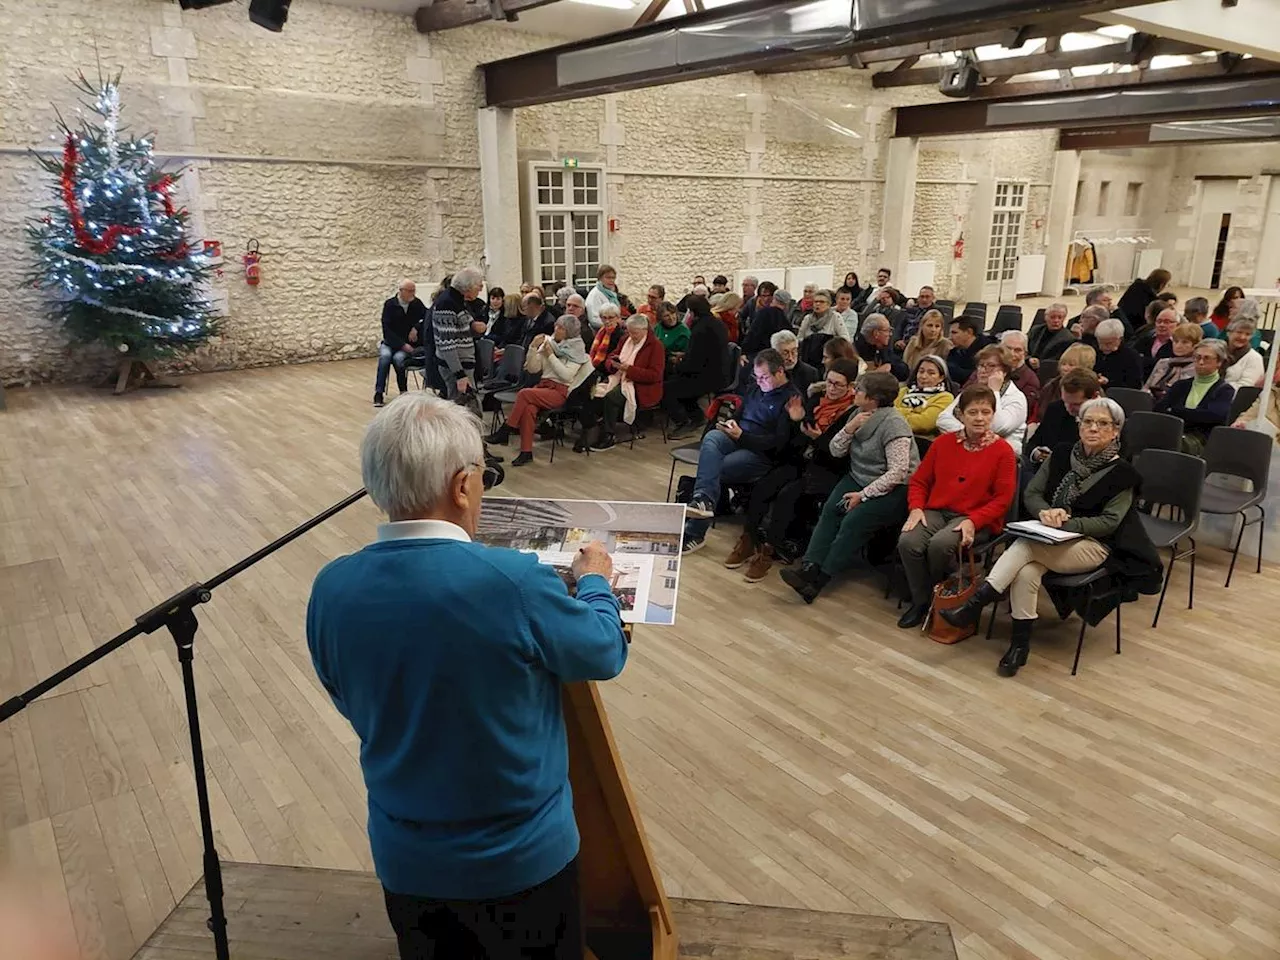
column 252, row 264
column 957, row 248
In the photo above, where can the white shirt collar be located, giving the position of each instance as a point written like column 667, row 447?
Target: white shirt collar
column 421, row 530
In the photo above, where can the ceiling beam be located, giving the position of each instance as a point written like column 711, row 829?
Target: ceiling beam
column 651, row 12
column 1017, row 66
column 433, row 17
column 1118, row 81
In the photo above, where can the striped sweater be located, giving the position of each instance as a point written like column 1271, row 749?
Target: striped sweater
column 455, row 345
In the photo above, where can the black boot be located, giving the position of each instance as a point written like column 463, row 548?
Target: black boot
column 1019, row 649
column 970, row 612
column 808, row 581
column 500, row 436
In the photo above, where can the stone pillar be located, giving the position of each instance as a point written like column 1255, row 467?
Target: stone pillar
column 1060, row 220
column 500, row 196
column 899, row 204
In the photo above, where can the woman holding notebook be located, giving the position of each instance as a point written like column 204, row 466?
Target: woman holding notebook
column 1084, row 489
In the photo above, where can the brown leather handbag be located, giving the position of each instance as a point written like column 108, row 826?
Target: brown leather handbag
column 949, row 594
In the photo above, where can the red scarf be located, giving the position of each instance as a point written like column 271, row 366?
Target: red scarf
column 600, row 345
column 829, row 411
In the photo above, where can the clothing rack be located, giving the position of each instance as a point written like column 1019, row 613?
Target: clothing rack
column 1139, row 239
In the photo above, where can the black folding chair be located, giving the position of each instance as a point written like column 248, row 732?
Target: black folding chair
column 688, row 455
column 484, row 359
column 1131, row 401
column 1144, row 430
column 1047, row 370
column 1246, row 455
column 1174, row 480
column 1007, row 318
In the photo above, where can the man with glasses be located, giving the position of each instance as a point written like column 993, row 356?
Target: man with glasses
column 447, row 658
column 801, row 375
column 742, row 449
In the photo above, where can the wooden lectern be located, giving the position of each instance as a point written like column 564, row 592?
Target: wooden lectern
column 625, row 910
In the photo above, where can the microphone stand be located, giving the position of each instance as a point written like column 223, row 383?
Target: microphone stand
column 177, row 614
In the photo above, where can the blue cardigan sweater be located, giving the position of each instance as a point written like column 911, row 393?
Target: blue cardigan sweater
column 447, row 657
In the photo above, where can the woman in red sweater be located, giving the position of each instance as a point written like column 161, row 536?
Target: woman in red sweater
column 633, row 382
column 963, row 487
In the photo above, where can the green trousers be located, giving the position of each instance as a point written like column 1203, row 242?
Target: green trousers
column 840, row 537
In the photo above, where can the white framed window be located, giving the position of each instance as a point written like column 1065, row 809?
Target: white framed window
column 568, row 221
column 1009, row 211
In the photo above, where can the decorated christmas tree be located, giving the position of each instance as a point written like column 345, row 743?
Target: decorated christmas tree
column 112, row 248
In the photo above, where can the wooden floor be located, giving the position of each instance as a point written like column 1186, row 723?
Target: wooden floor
column 282, row 913
column 794, row 756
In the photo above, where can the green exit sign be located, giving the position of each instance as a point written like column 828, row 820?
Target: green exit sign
column 571, row 162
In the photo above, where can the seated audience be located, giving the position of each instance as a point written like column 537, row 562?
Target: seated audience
column 927, row 340
column 884, row 278
column 562, row 361
column 822, row 319
column 494, row 313
column 837, row 348
column 1087, row 328
column 995, row 366
column 402, row 316
column 1225, row 311
column 1204, row 401
column 453, row 335
column 701, row 371
column 1023, row 376
column 966, row 343
column 871, row 497
column 1117, row 364
column 608, row 337
column 851, row 283
column 769, row 317
column 1086, row 489
column 750, row 287
column 912, row 314
column 884, row 304
column 1197, row 311
column 1059, row 424
column 803, row 478
column 801, row 374
column 1245, row 367
column 802, row 307
column 1179, row 365
column 1099, row 297
column 873, row 348
column 1156, row 343
column 925, row 395
column 1133, row 304
column 539, row 321
column 604, row 292
column 743, row 449
column 845, row 311
column 673, row 334
column 632, row 382
column 1075, row 357
column 1049, row 339
column 508, row 327
column 727, row 310
column 963, row 489
column 655, row 297
column 575, row 306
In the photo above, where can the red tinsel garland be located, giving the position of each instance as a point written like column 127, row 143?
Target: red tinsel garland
column 85, row 240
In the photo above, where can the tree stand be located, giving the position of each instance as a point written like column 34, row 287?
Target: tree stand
column 131, row 374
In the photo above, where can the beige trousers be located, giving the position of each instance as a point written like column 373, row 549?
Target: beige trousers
column 1021, row 568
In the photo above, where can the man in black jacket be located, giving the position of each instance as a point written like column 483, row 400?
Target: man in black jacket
column 966, row 344
column 873, row 348
column 1047, row 341
column 402, row 317
column 701, row 370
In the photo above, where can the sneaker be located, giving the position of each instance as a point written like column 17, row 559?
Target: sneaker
column 607, row 442
column 743, row 551
column 520, row 461
column 701, row 509
column 692, row 545
column 760, row 565
column 378, row 401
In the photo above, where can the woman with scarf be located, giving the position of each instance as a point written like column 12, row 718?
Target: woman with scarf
column 607, row 338
column 807, row 472
column 562, row 361
column 962, row 490
column 1245, row 367
column 926, row 341
column 603, row 293
column 1083, row 488
column 925, row 395
column 1201, row 402
column 726, row 308
column 1179, row 366
column 633, row 382
column 872, row 495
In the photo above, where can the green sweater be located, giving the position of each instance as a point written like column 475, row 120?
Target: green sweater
column 673, row 339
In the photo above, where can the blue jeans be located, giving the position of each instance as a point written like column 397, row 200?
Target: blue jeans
column 386, row 357
column 722, row 461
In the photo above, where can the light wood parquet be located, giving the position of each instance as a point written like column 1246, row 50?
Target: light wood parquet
column 794, row 756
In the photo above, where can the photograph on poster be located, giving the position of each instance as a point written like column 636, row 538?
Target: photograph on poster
column 642, row 538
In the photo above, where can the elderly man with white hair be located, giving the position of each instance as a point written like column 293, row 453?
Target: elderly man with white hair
column 802, row 375
column 402, row 316
column 1048, row 340
column 454, row 336
column 1022, row 377
column 447, row 658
